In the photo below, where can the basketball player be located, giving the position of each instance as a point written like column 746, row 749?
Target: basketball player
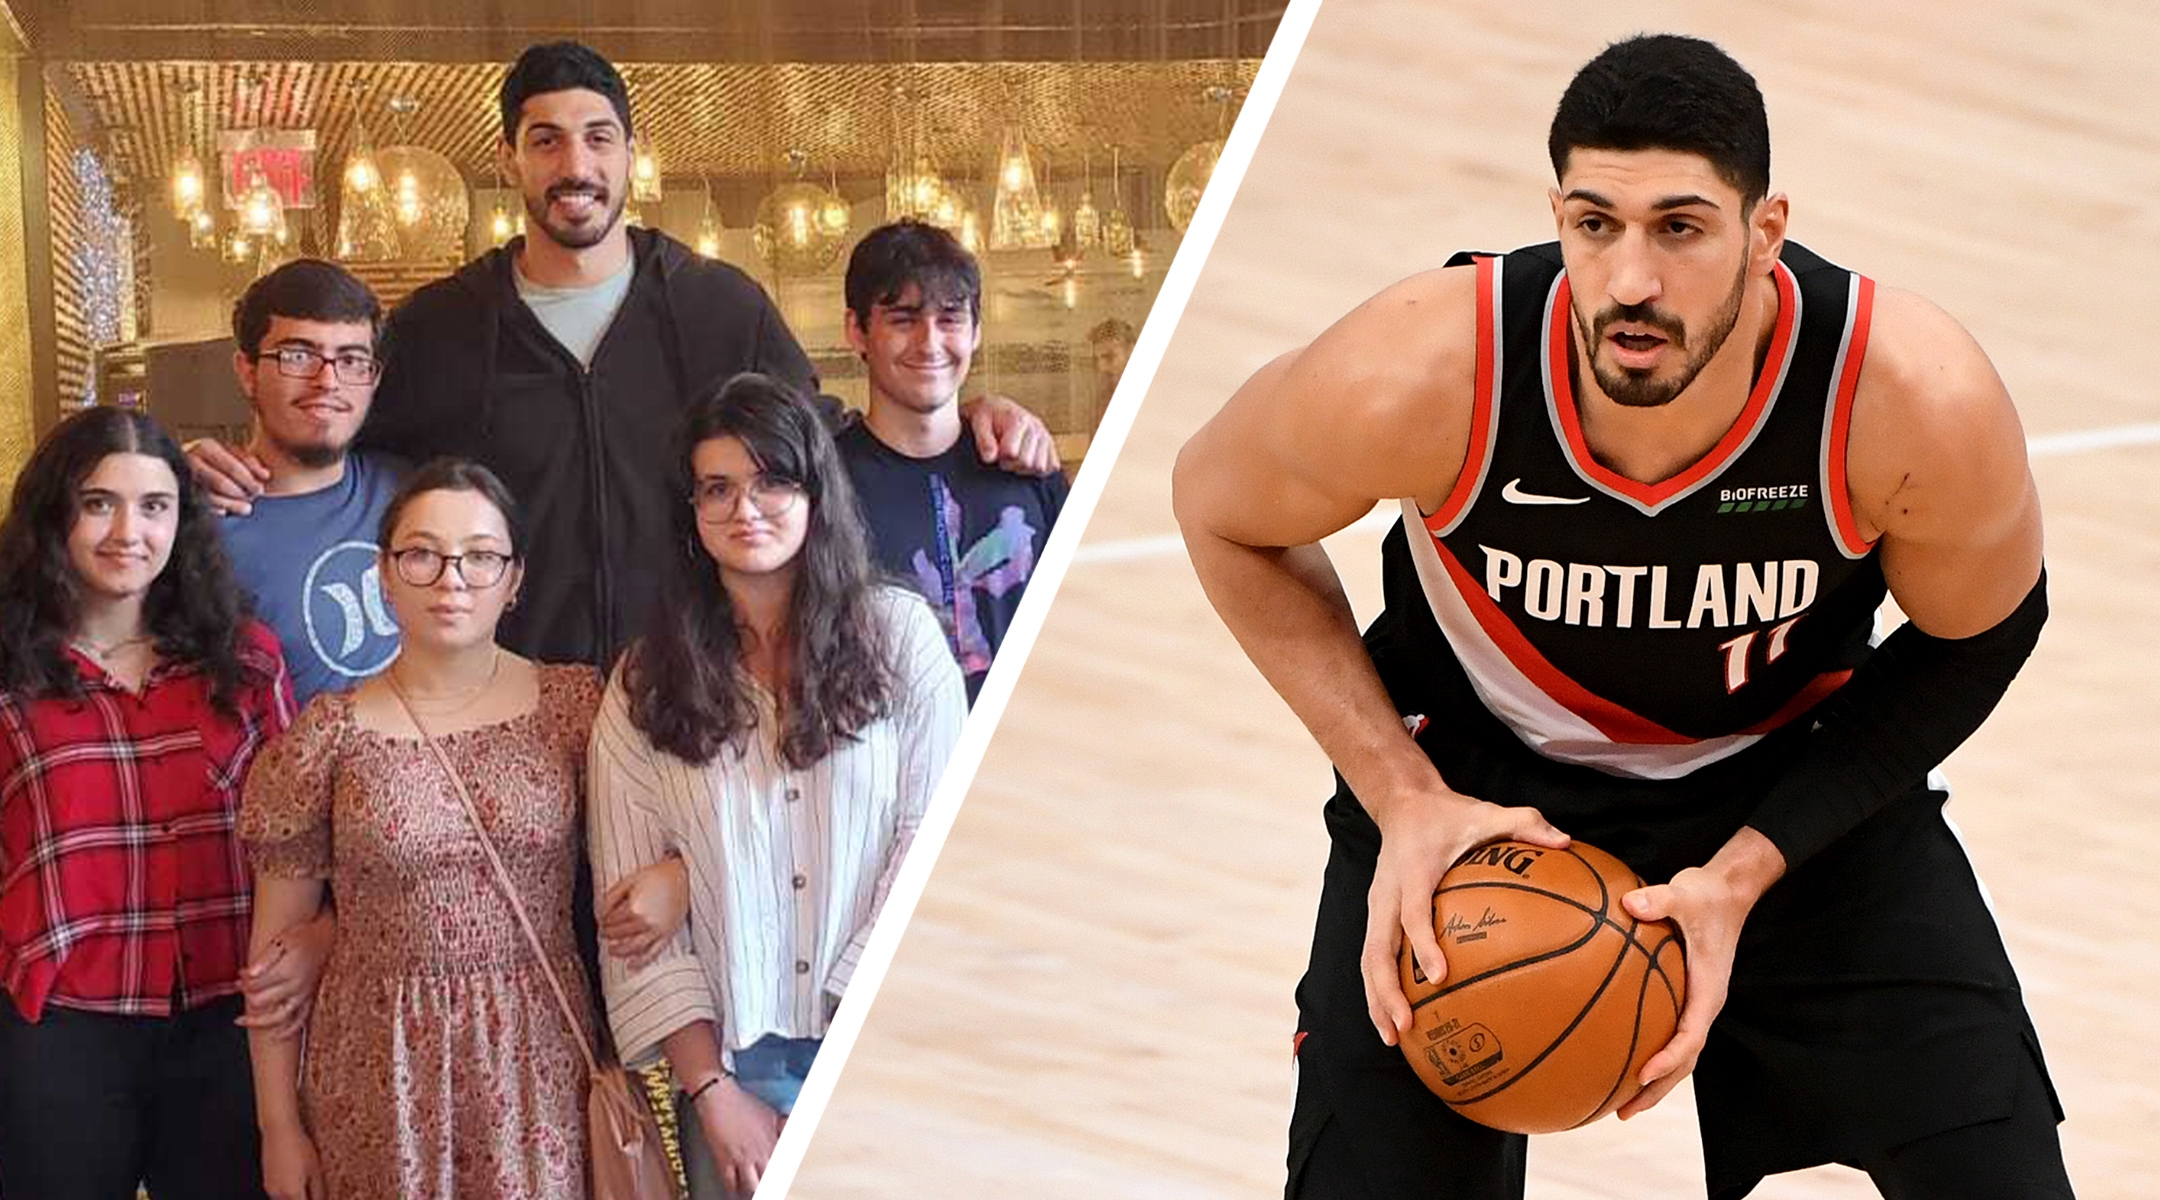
column 1655, row 480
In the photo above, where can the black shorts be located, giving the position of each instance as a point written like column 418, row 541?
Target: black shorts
column 1872, row 1003
column 2015, row 1158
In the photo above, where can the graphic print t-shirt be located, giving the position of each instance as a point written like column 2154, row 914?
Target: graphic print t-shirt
column 309, row 563
column 961, row 532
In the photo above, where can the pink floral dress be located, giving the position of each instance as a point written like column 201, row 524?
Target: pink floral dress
column 437, row 1061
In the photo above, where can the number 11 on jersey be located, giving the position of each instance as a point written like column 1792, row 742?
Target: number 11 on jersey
column 1737, row 657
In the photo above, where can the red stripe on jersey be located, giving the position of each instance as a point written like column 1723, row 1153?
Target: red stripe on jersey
column 1806, row 698
column 1481, row 404
column 1840, row 499
column 1563, row 391
column 1616, row 723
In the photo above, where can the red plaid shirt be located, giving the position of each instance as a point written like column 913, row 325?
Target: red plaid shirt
column 122, row 881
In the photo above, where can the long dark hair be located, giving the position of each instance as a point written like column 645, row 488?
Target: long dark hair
column 688, row 688
column 193, row 610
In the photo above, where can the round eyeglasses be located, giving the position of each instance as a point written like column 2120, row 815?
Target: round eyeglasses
column 421, row 567
column 300, row 362
column 717, row 497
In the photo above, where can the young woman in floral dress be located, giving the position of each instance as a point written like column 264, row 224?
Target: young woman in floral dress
column 438, row 1061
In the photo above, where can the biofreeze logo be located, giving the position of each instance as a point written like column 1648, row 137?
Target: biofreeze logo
column 1762, row 499
column 1600, row 594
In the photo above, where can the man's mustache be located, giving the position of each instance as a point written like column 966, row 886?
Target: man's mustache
column 1645, row 313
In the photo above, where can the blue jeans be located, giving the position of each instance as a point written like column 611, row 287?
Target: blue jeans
column 772, row 1070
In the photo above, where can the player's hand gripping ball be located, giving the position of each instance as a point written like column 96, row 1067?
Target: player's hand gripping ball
column 1554, row 998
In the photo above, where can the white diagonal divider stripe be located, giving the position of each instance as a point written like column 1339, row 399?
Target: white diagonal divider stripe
column 1050, row 570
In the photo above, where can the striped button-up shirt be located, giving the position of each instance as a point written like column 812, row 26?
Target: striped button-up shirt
column 123, row 885
column 788, row 867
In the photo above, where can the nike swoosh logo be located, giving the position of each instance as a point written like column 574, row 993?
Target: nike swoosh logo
column 1514, row 494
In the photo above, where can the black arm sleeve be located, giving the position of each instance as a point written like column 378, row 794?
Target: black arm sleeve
column 1914, row 700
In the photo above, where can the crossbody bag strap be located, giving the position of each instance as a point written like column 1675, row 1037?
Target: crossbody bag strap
column 502, row 876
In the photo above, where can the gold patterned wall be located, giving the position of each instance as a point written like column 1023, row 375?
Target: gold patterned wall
column 724, row 128
column 723, row 120
column 17, row 424
column 74, row 357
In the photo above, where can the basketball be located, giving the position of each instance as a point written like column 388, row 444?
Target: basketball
column 1554, row 998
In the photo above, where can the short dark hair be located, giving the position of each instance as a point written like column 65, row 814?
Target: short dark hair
column 1668, row 92
column 455, row 475
column 306, row 289
column 907, row 251
column 561, row 67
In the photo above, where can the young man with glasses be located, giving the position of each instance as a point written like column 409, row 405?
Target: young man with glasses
column 306, row 338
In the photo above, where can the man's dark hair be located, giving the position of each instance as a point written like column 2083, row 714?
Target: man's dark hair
column 1667, row 92
column 907, row 251
column 305, row 289
column 561, row 67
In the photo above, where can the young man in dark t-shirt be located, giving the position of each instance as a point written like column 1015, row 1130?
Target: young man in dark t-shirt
column 964, row 534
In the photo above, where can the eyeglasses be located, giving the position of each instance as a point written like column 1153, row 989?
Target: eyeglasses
column 299, row 362
column 717, row 497
column 421, row 567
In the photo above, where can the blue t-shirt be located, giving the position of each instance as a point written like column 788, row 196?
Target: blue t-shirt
column 309, row 563
column 963, row 533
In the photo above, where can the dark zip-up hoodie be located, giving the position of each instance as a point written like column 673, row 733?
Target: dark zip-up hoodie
column 588, row 453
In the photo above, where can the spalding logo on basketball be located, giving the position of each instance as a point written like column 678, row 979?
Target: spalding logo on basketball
column 1554, row 998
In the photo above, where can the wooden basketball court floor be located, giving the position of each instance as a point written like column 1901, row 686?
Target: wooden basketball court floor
column 1095, row 996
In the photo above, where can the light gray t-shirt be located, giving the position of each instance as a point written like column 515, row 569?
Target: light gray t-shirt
column 577, row 317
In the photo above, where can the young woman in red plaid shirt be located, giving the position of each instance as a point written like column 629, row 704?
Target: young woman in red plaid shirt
column 134, row 693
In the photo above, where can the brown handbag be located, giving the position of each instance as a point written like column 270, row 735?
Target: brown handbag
column 626, row 1157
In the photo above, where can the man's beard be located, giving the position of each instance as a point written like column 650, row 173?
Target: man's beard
column 1632, row 388
column 568, row 237
column 312, row 455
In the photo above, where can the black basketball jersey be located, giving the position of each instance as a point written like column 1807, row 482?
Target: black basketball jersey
column 1647, row 629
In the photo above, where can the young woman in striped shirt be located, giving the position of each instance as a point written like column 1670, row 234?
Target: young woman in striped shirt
column 780, row 729
column 134, row 695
